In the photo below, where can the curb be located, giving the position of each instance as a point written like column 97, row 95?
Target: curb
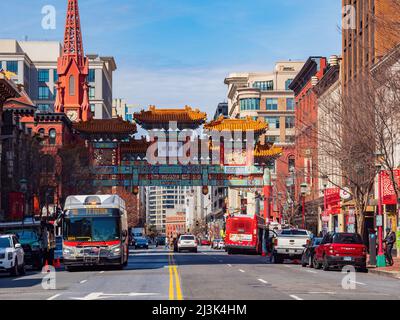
column 395, row 275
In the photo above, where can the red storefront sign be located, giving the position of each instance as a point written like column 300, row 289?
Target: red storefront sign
column 388, row 193
column 332, row 200
column 16, row 204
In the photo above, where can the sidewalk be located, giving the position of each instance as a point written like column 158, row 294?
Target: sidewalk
column 393, row 271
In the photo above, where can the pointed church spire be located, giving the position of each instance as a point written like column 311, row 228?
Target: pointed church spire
column 72, row 69
column 73, row 46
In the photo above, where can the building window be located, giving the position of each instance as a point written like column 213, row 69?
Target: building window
column 44, row 93
column 71, row 85
column 288, row 82
column 291, row 164
column 272, row 104
column 55, row 75
column 43, row 107
column 273, row 122
column 250, row 104
column 92, row 93
column 264, row 85
column 290, row 104
column 272, row 139
column 91, row 75
column 52, row 136
column 289, row 122
column 12, row 66
column 92, row 107
column 290, row 139
column 43, row 75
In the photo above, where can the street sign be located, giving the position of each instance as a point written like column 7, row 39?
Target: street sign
column 345, row 194
column 325, row 218
column 379, row 221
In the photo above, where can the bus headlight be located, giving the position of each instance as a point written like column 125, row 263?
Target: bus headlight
column 116, row 251
column 67, row 251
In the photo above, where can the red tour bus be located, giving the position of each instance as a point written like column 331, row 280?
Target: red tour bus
column 244, row 234
column 95, row 231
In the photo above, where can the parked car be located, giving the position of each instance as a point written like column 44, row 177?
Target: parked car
column 205, row 242
column 11, row 255
column 141, row 243
column 187, row 242
column 338, row 249
column 221, row 245
column 309, row 251
column 289, row 244
column 160, row 241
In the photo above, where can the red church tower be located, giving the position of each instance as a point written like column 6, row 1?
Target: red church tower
column 73, row 67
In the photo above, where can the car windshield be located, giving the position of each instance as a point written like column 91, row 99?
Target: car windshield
column 27, row 235
column 187, row 237
column 347, row 238
column 92, row 229
column 294, row 232
column 5, row 243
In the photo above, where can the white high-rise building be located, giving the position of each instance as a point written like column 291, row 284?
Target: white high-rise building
column 159, row 200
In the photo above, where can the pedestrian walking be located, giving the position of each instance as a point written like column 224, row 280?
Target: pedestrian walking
column 389, row 241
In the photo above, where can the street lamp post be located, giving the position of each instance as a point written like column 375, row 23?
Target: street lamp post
column 325, row 185
column 381, row 259
column 303, row 190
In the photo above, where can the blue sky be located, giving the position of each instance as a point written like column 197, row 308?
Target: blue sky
column 176, row 52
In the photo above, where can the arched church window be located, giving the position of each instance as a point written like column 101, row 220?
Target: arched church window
column 52, row 136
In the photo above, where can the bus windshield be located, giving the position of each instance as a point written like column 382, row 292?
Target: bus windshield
column 91, row 229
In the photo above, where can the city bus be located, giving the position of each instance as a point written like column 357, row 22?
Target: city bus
column 95, row 231
column 244, row 234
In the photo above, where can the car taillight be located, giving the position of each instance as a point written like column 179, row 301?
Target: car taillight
column 275, row 242
column 331, row 250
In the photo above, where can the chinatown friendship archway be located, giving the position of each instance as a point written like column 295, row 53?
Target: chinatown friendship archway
column 181, row 150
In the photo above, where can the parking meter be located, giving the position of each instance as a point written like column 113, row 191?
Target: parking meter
column 372, row 249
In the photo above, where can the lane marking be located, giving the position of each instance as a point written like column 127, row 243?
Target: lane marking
column 295, row 297
column 316, row 292
column 177, row 284
column 242, row 270
column 101, row 272
column 83, row 281
column 356, row 282
column 311, row 271
column 174, row 277
column 54, row 297
column 171, row 284
column 263, row 281
column 229, row 265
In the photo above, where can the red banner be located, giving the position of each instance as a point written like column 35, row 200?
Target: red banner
column 332, row 200
column 388, row 192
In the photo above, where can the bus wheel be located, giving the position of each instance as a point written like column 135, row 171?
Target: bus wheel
column 70, row 269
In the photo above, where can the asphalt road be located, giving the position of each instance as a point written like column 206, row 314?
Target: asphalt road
column 209, row 275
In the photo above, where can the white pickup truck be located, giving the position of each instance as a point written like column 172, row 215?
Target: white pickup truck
column 289, row 244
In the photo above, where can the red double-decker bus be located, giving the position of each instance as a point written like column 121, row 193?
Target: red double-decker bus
column 244, row 234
